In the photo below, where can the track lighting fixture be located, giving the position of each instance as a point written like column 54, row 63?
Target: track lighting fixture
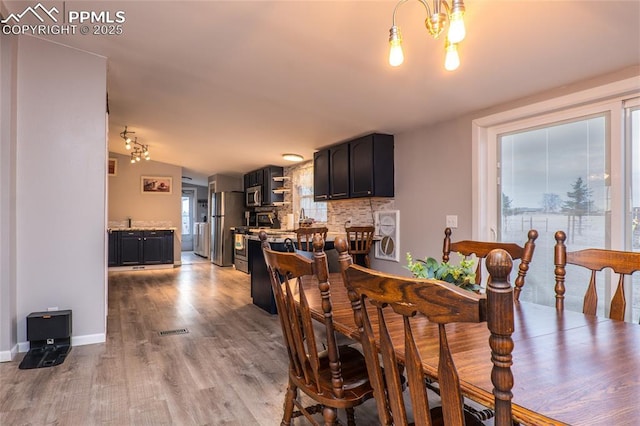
column 140, row 151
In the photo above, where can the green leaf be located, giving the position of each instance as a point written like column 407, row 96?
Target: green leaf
column 462, row 274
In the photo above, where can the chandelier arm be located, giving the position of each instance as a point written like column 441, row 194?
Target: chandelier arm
column 424, row 3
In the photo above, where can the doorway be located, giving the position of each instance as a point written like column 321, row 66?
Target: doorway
column 188, row 212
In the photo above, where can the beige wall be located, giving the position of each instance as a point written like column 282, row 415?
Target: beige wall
column 145, row 210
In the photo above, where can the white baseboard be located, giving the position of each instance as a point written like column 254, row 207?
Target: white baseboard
column 6, row 356
column 88, row 339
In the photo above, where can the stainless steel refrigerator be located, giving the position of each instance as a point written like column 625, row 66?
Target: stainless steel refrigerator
column 227, row 211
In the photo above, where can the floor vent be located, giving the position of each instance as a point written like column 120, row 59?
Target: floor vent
column 172, row 332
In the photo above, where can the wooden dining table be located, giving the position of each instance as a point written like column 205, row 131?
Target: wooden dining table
column 568, row 368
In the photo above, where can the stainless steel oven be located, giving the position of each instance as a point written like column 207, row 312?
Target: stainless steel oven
column 241, row 250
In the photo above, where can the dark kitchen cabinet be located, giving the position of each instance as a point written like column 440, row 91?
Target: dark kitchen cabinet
column 113, row 248
column 371, row 166
column 261, row 292
column 331, row 173
column 362, row 167
column 167, row 252
column 268, row 196
column 321, row 175
column 130, row 248
column 136, row 247
column 254, row 178
column 157, row 247
column 264, row 178
column 339, row 172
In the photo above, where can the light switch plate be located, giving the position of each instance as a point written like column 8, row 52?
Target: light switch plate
column 452, row 221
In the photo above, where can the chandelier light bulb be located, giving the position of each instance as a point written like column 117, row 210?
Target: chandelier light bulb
column 457, row 31
column 133, row 160
column 127, row 145
column 396, row 56
column 438, row 17
column 451, row 60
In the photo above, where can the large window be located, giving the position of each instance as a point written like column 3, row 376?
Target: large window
column 551, row 178
column 573, row 170
column 632, row 116
column 303, row 195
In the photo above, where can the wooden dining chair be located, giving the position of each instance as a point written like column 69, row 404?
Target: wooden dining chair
column 360, row 239
column 305, row 236
column 623, row 263
column 378, row 299
column 335, row 377
column 482, row 248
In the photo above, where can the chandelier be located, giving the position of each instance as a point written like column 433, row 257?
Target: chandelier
column 140, row 151
column 437, row 18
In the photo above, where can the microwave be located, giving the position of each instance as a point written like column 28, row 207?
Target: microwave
column 253, row 196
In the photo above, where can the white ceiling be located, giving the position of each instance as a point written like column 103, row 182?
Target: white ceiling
column 228, row 86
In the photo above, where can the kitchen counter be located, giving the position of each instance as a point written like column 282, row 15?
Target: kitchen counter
column 261, row 292
column 279, row 235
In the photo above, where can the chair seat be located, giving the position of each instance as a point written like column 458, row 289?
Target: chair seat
column 357, row 387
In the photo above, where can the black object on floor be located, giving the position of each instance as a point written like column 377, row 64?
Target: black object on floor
column 49, row 335
column 46, row 356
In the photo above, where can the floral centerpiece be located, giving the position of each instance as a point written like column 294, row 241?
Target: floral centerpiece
column 463, row 274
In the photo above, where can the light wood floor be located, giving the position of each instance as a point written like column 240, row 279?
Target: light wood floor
column 229, row 369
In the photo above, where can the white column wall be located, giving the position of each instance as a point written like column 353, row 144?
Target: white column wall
column 61, row 172
column 8, row 330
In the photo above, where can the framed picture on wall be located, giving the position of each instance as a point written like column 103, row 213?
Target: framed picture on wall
column 156, row 185
column 112, row 167
column 388, row 228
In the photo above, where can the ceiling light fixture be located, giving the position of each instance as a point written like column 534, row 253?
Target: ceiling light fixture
column 435, row 24
column 292, row 157
column 140, row 151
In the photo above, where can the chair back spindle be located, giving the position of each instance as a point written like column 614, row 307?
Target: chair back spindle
column 360, row 240
column 333, row 377
column 377, row 297
column 482, row 248
column 622, row 263
column 305, row 236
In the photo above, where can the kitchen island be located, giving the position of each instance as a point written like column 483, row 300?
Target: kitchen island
column 261, row 292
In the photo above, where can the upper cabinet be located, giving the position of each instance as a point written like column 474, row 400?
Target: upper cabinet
column 264, row 178
column 362, row 167
column 321, row 175
column 254, row 178
column 371, row 166
column 269, row 197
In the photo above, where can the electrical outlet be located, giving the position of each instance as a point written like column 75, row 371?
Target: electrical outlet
column 53, row 308
column 452, row 221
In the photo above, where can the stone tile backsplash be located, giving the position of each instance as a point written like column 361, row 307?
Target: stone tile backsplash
column 158, row 224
